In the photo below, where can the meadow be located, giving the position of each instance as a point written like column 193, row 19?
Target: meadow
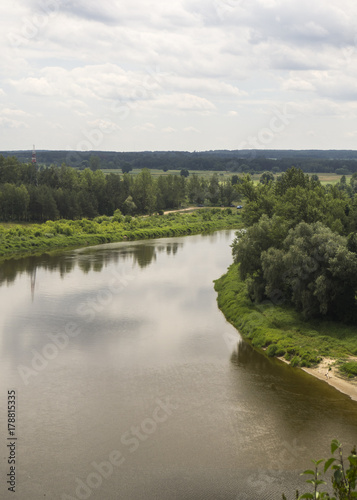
column 23, row 239
column 325, row 178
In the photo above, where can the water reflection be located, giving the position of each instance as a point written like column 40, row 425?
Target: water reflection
column 87, row 260
column 293, row 403
column 160, row 336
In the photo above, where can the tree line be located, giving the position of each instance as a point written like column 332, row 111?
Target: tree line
column 300, row 244
column 252, row 161
column 30, row 194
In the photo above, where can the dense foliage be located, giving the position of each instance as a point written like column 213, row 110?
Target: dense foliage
column 32, row 238
column 31, row 194
column 300, row 244
column 282, row 331
column 246, row 160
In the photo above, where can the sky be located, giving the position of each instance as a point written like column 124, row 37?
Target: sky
column 185, row 75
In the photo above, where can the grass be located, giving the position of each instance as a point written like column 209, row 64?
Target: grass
column 282, row 331
column 324, row 178
column 19, row 240
column 156, row 172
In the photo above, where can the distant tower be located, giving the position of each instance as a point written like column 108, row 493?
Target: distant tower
column 34, row 161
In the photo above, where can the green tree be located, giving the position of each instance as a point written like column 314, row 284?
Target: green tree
column 266, row 177
column 248, row 247
column 315, row 270
column 196, row 189
column 213, row 189
column 144, row 192
column 94, row 163
column 126, row 167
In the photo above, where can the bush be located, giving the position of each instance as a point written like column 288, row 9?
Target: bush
column 280, row 352
column 349, row 368
column 295, row 361
column 272, row 349
column 343, row 476
column 117, row 216
column 102, row 218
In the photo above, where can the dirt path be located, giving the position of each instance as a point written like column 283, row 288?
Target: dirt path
column 333, row 378
column 182, row 210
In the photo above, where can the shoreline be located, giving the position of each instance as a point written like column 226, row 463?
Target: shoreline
column 280, row 333
column 348, row 387
column 335, row 379
column 65, row 234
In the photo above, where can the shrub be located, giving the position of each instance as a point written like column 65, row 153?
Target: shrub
column 272, row 349
column 117, row 216
column 295, row 361
column 280, row 352
column 343, row 476
column 350, row 368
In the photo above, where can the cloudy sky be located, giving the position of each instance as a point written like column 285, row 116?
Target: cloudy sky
column 135, row 75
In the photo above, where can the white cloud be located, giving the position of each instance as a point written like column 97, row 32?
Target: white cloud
column 184, row 102
column 13, row 112
column 148, row 127
column 35, row 86
column 12, row 124
column 181, row 64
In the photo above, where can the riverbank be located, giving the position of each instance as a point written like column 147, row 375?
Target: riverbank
column 29, row 239
column 329, row 373
column 317, row 346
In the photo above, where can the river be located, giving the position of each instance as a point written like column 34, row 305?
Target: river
column 130, row 384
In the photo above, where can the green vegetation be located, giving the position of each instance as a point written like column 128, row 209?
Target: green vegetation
column 293, row 286
column 34, row 238
column 343, row 478
column 350, row 368
column 240, row 161
column 31, row 194
column 300, row 244
column 280, row 329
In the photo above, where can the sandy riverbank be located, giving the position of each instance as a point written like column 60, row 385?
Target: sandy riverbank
column 342, row 384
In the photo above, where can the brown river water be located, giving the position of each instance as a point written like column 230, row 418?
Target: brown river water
column 130, row 384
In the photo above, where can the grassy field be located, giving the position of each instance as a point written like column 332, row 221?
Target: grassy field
column 325, row 178
column 156, row 172
column 19, row 240
column 282, row 331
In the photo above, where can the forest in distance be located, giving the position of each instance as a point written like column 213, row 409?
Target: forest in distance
column 28, row 193
column 31, row 192
column 342, row 162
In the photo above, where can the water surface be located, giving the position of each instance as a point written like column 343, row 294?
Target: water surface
column 154, row 396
